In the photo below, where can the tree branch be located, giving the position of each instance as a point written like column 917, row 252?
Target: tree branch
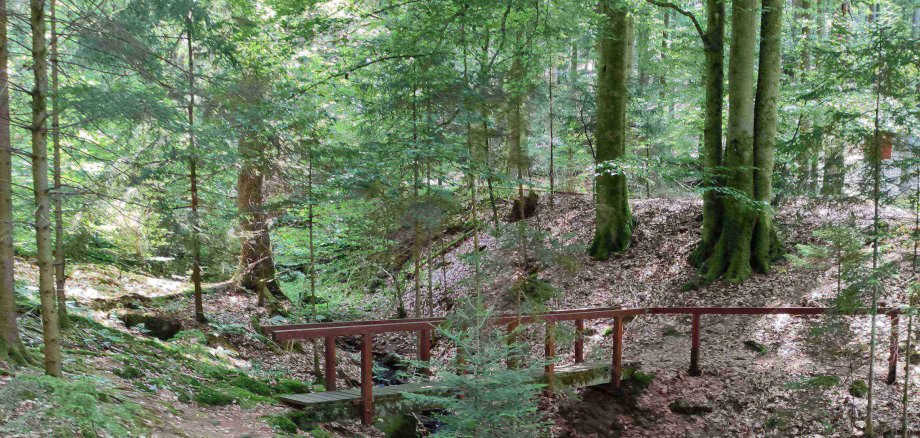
column 683, row 12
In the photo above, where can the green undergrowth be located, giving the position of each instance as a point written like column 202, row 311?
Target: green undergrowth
column 85, row 406
column 106, row 368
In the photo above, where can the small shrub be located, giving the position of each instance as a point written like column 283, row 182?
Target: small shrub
column 859, row 388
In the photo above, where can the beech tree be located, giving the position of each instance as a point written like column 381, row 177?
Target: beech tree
column 613, row 219
column 747, row 239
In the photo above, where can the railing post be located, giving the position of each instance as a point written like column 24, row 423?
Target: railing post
column 367, row 383
column 424, row 348
column 579, row 340
column 893, row 350
column 550, row 353
column 695, row 346
column 617, row 370
column 330, row 363
column 511, row 339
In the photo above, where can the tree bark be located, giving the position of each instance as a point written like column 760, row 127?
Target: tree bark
column 732, row 252
column 11, row 348
column 39, row 128
column 613, row 219
column 714, row 45
column 765, row 242
column 59, row 271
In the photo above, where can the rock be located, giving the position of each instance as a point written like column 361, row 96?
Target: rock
column 686, row 407
column 161, row 327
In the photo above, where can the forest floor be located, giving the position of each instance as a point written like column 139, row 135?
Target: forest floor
column 762, row 375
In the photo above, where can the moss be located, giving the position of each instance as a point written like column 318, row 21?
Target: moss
column 129, row 372
column 213, row 397
column 319, row 432
column 282, row 423
column 287, row 386
column 252, row 385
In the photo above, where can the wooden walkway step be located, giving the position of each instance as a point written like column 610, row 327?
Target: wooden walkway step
column 346, row 403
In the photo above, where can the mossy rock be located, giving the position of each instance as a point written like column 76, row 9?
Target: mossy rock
column 859, row 388
column 252, row 385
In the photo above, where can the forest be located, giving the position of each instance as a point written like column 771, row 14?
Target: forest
column 459, row 218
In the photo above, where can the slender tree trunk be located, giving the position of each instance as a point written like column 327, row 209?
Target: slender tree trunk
column 44, row 257
column 59, row 271
column 11, row 348
column 613, row 219
column 714, row 45
column 474, row 214
column 317, row 371
column 765, row 242
column 552, row 146
column 876, row 156
column 416, row 227
column 518, row 157
column 193, row 179
column 731, row 255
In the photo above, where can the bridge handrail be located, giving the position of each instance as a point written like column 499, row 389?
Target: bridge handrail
column 425, row 327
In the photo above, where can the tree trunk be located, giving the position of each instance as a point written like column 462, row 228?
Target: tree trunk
column 765, row 242
column 834, row 170
column 11, row 348
column 714, row 45
column 257, row 267
column 43, row 253
column 59, row 271
column 732, row 252
column 193, row 179
column 518, row 159
column 613, row 219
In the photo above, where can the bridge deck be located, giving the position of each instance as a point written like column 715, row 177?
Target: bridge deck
column 333, row 404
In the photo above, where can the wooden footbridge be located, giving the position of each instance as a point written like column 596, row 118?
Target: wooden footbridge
column 362, row 399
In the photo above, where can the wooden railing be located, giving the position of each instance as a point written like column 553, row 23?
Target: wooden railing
column 425, row 327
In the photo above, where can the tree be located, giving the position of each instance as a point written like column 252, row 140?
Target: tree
column 257, row 266
column 765, row 243
column 11, row 348
column 59, row 267
column 747, row 239
column 613, row 220
column 39, row 127
column 193, row 178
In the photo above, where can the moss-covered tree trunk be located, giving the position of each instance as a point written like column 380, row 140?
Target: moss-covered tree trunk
column 730, row 257
column 714, row 77
column 765, row 243
column 613, row 220
column 11, row 349
column 43, row 253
